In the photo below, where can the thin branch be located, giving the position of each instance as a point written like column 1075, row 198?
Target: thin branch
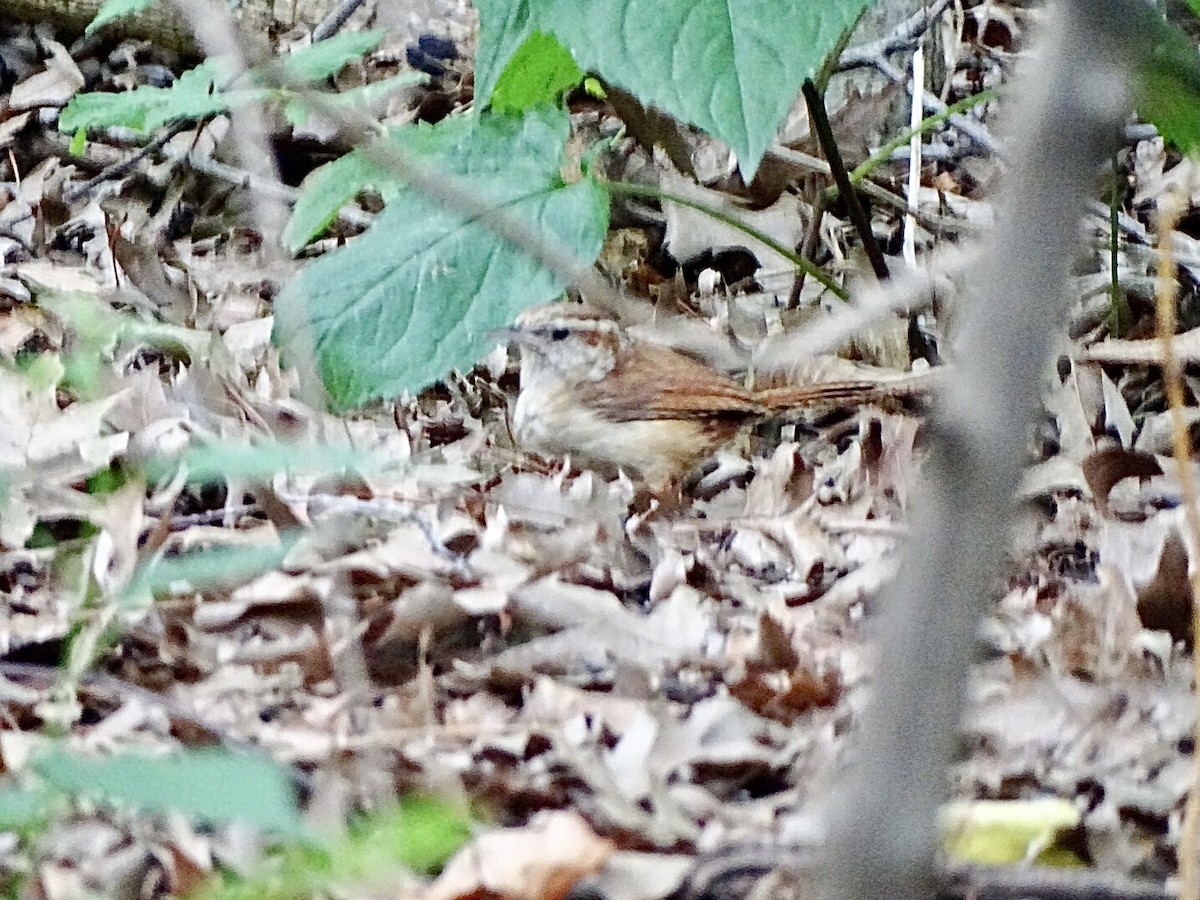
column 884, row 153
column 1170, row 211
column 879, row 194
column 1116, row 196
column 809, row 247
column 858, row 215
column 906, row 292
column 644, row 190
column 124, row 167
column 903, row 37
column 337, row 17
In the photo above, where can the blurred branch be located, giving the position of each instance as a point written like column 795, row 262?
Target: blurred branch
column 337, row 17
column 903, row 37
column 882, row 833
column 907, row 292
column 217, row 34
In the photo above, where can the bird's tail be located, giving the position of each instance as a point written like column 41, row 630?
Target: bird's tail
column 849, row 392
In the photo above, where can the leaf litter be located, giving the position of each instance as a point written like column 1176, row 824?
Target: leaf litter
column 623, row 694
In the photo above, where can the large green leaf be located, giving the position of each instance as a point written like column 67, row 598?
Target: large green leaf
column 448, row 144
column 732, row 69
column 416, row 295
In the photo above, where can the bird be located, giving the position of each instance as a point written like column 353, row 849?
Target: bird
column 593, row 392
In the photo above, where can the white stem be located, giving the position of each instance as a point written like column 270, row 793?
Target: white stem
column 914, row 156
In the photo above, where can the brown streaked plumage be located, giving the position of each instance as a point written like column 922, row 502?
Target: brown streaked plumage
column 593, row 393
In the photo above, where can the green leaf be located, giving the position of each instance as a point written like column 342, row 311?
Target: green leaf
column 733, row 69
column 195, row 94
column 205, row 570
column 504, row 26
column 192, row 96
column 1004, row 832
column 113, row 10
column 210, row 785
column 220, row 462
column 363, row 97
column 537, row 74
column 328, row 188
column 325, row 191
column 22, row 808
column 418, row 293
column 420, row 833
column 1167, row 80
column 326, row 58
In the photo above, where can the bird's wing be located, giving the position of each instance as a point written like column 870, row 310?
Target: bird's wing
column 653, row 382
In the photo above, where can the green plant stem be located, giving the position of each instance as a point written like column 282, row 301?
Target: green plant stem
column 1114, row 248
column 880, row 156
column 629, row 189
column 858, row 214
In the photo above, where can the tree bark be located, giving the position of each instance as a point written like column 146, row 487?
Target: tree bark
column 160, row 24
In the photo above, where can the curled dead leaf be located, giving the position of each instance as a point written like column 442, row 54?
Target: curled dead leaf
column 543, row 860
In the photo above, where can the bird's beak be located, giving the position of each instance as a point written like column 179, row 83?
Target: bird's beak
column 508, row 335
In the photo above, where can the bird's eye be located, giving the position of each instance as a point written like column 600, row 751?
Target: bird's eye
column 559, row 334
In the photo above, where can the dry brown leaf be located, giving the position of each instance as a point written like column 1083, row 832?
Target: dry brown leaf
column 543, row 860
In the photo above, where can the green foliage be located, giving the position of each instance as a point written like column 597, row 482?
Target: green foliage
column 417, row 294
column 201, row 570
column 504, row 25
column 1167, row 79
column 106, row 481
column 201, row 91
column 325, row 59
column 260, row 462
column 113, row 10
column 193, row 96
column 418, row 834
column 365, row 96
column 209, row 785
column 78, row 142
column 24, row 808
column 731, row 69
column 538, row 73
column 446, row 145
column 97, row 331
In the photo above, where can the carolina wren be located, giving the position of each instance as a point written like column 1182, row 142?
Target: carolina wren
column 593, row 392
